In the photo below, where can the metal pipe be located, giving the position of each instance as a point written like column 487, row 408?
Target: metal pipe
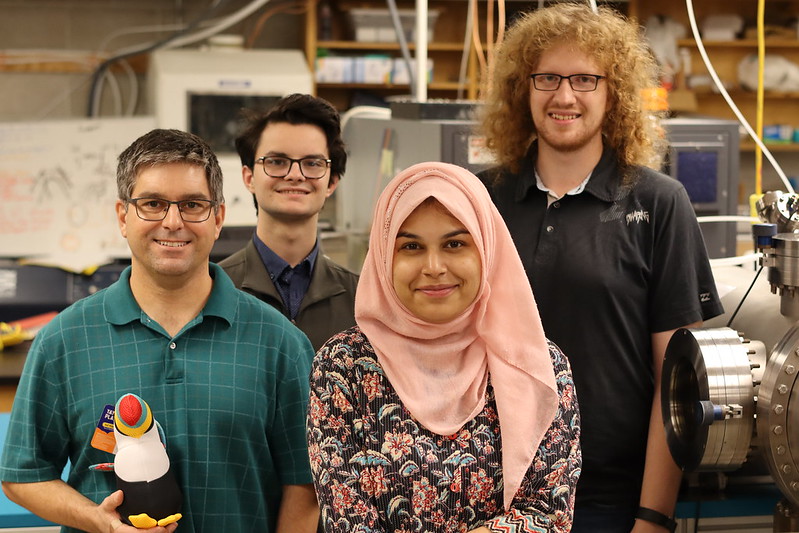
column 421, row 50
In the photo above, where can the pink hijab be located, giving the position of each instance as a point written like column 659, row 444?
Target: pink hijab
column 440, row 371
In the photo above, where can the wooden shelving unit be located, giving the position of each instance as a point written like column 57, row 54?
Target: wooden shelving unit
column 445, row 49
column 749, row 146
column 725, row 56
column 780, row 107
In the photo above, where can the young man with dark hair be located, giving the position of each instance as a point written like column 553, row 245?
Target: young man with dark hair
column 292, row 159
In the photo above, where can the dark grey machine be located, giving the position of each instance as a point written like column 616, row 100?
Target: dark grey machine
column 704, row 156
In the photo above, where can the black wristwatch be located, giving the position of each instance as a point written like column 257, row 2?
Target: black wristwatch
column 656, row 517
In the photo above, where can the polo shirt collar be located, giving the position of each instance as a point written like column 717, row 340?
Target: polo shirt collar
column 604, row 183
column 223, row 301
column 119, row 305
column 121, row 308
column 577, row 190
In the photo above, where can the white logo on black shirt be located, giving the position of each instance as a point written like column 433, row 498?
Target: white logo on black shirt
column 638, row 216
column 704, row 296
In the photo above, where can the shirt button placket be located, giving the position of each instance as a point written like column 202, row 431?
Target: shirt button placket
column 550, row 228
column 174, row 363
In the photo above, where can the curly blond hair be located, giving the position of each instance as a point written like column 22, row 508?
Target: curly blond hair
column 616, row 44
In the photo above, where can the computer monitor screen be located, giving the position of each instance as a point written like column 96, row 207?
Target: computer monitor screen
column 698, row 171
column 216, row 117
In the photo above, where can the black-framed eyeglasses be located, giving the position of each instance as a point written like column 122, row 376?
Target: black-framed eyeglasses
column 581, row 83
column 312, row 168
column 155, row 209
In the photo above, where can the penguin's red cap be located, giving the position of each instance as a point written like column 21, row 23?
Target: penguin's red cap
column 132, row 416
column 129, row 409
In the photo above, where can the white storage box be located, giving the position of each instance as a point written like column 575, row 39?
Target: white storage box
column 374, row 25
column 373, row 69
column 334, row 69
column 399, row 74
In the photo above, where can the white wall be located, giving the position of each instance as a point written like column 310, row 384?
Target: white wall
column 85, row 25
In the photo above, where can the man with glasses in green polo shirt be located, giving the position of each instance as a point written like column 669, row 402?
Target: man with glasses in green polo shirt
column 225, row 374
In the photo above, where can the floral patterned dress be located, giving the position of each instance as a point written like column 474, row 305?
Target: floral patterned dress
column 377, row 470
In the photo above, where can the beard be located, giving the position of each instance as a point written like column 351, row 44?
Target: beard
column 571, row 141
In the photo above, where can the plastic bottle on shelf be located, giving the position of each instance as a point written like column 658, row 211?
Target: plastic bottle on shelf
column 325, row 21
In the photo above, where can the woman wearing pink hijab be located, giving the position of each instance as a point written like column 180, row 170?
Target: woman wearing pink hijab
column 445, row 408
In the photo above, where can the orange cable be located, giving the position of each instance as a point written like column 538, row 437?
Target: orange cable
column 478, row 47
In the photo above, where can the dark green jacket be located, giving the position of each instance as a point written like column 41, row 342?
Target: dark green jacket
column 327, row 308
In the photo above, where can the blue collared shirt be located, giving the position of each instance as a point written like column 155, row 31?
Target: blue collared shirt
column 291, row 283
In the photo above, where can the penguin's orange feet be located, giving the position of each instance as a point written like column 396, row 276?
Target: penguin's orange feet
column 142, row 521
column 170, row 519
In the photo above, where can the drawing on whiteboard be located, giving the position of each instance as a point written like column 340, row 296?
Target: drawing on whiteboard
column 58, row 189
column 51, row 184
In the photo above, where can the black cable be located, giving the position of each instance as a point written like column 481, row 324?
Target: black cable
column 696, row 516
column 745, row 295
column 99, row 72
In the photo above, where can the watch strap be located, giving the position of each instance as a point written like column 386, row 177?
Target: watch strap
column 656, row 517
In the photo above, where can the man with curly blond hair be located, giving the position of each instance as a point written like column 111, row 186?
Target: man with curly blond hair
column 611, row 247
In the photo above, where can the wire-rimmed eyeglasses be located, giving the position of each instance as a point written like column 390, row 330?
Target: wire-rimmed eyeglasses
column 312, row 168
column 155, row 209
column 581, row 83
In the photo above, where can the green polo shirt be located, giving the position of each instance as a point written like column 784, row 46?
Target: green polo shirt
column 230, row 390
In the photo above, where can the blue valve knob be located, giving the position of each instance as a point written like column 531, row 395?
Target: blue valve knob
column 707, row 413
column 763, row 234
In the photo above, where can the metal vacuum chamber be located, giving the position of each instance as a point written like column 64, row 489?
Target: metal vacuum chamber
column 730, row 392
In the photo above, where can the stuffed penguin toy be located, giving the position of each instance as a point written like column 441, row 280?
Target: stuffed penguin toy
column 152, row 496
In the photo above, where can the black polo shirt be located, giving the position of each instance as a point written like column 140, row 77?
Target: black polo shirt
column 609, row 267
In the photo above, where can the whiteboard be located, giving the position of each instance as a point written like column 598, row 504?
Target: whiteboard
column 58, row 189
